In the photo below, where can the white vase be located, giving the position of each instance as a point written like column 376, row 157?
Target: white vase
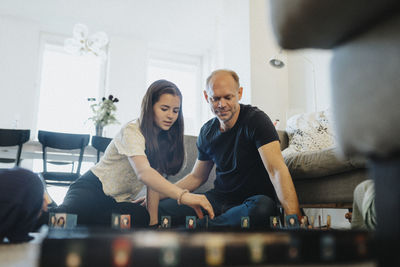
column 99, row 130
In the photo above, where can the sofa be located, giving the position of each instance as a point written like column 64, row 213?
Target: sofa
column 321, row 179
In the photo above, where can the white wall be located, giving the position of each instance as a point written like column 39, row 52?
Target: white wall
column 269, row 85
column 127, row 78
column 233, row 42
column 309, row 81
column 303, row 85
column 21, row 39
column 19, row 46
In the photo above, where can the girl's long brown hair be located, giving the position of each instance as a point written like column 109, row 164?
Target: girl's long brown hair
column 164, row 149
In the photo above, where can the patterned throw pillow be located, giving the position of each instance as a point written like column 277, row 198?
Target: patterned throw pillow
column 310, row 132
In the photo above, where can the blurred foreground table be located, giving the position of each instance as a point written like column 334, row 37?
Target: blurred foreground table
column 204, row 248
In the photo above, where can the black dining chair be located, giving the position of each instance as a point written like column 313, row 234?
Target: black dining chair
column 65, row 144
column 100, row 144
column 13, row 137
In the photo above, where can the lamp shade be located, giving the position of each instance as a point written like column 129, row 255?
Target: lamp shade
column 276, row 61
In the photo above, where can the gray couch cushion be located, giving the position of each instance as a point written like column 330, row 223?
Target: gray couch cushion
column 283, row 138
column 190, row 159
column 319, row 163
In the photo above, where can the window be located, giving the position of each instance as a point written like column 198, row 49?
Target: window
column 67, row 81
column 185, row 72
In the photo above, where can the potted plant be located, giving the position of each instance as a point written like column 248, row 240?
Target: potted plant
column 104, row 113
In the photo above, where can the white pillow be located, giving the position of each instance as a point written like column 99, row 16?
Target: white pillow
column 310, row 132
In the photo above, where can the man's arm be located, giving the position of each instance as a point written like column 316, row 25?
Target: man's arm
column 280, row 177
column 199, row 175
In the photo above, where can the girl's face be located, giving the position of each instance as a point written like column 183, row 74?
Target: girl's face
column 61, row 221
column 166, row 111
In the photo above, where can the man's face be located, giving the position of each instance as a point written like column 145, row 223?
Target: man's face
column 223, row 97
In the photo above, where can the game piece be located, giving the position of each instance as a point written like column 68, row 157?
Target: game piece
column 190, row 222
column 75, row 255
column 52, row 220
column 245, row 222
column 312, row 222
column 125, row 221
column 165, row 222
column 121, row 252
column 256, row 247
column 115, row 221
column 169, row 255
column 328, row 222
column 215, row 250
column 327, row 246
column 292, row 221
column 319, row 222
column 304, row 222
column 361, row 245
column 274, row 222
column 206, row 221
column 62, row 220
column 121, row 221
column 294, row 248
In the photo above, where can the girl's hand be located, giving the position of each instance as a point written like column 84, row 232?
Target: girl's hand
column 197, row 202
column 140, row 200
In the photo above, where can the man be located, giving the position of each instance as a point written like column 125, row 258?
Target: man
column 250, row 171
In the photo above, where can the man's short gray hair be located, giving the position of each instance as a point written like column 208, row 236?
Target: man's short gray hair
column 215, row 72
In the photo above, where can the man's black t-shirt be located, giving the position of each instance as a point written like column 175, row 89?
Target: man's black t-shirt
column 240, row 172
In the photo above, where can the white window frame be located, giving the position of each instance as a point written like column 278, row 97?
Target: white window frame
column 58, row 40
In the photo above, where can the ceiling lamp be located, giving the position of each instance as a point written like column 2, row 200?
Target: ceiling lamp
column 82, row 43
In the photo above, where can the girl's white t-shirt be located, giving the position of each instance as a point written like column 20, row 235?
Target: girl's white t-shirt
column 114, row 169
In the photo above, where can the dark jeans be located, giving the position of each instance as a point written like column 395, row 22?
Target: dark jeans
column 386, row 175
column 86, row 198
column 228, row 212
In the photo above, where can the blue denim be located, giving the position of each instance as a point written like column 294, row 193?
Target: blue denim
column 228, row 212
column 386, row 175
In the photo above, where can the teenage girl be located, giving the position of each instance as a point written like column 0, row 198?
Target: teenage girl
column 143, row 152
